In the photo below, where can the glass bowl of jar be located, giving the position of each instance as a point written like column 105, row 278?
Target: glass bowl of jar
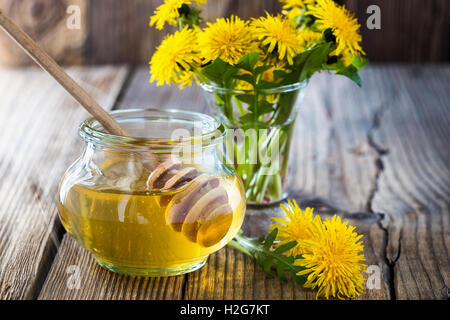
column 156, row 203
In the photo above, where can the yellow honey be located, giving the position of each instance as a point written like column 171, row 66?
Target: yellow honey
column 128, row 231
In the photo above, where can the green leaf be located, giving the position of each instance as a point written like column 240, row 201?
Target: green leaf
column 263, row 107
column 352, row 73
column 245, row 77
column 261, row 69
column 359, row 62
column 228, row 76
column 299, row 60
column 314, row 61
column 285, row 247
column 261, row 250
column 279, row 74
column 248, row 61
column 281, row 272
column 270, row 239
column 219, row 71
column 219, row 101
column 246, row 98
column 262, row 84
column 248, row 119
column 267, row 265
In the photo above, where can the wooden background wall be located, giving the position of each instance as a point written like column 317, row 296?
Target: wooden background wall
column 117, row 31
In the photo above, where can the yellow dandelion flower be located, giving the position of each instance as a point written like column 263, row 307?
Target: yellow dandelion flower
column 309, row 37
column 293, row 226
column 295, row 8
column 343, row 24
column 186, row 79
column 268, row 75
column 227, row 39
column 333, row 260
column 293, row 14
column 243, row 85
column 289, row 4
column 347, row 58
column 168, row 12
column 278, row 33
column 175, row 58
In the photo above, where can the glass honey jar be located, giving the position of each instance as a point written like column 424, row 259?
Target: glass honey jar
column 156, row 203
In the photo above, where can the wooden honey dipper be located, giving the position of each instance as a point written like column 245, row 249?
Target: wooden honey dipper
column 201, row 211
column 195, row 209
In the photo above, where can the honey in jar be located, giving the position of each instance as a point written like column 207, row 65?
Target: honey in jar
column 141, row 222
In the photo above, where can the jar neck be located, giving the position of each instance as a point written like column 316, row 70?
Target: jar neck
column 156, row 131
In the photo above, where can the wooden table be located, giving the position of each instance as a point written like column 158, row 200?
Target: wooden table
column 378, row 156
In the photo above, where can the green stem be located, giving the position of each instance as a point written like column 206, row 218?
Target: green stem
column 239, row 105
column 260, row 180
column 228, row 107
column 276, row 187
column 236, row 245
column 256, row 250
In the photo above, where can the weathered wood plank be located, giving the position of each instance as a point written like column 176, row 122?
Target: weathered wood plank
column 37, row 143
column 96, row 283
column 140, row 93
column 117, row 31
column 332, row 158
column 46, row 21
column 126, row 36
column 413, row 190
column 410, row 30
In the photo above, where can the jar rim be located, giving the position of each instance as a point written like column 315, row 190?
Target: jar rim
column 92, row 132
column 212, row 87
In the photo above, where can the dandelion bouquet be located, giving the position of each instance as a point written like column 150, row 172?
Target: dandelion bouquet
column 254, row 74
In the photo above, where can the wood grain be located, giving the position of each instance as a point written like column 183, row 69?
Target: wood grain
column 411, row 30
column 414, row 182
column 46, row 22
column 126, row 35
column 51, row 67
column 140, row 93
column 38, row 142
column 117, row 31
column 97, row 283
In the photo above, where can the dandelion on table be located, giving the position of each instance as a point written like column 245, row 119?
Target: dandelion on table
column 333, row 259
column 293, row 226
